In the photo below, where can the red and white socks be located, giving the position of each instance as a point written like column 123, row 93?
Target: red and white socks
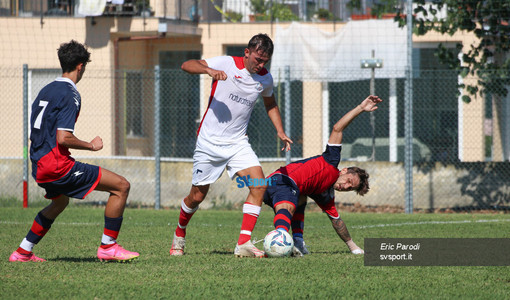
column 184, row 218
column 250, row 215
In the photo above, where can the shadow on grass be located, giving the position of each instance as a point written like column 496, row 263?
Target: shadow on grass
column 76, row 259
column 222, row 252
column 331, row 252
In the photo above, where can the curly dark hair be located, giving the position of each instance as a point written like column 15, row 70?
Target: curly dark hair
column 261, row 42
column 71, row 55
column 363, row 180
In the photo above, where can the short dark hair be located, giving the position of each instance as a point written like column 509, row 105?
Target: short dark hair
column 71, row 55
column 261, row 42
column 363, row 180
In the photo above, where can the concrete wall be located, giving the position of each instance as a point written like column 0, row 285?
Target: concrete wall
column 435, row 185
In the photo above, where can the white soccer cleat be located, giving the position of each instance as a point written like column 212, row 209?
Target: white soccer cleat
column 178, row 244
column 358, row 251
column 296, row 252
column 248, row 250
column 299, row 248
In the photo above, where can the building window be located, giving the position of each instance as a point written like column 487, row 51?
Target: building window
column 180, row 104
column 134, row 105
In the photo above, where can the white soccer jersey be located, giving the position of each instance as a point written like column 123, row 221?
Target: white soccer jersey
column 232, row 100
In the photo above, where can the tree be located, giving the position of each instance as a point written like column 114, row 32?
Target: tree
column 266, row 10
column 488, row 21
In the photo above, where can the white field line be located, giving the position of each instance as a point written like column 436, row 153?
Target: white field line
column 222, row 225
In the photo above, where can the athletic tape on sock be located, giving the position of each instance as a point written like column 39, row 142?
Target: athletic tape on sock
column 187, row 209
column 251, row 209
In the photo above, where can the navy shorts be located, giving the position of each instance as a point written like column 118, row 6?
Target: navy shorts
column 282, row 188
column 77, row 183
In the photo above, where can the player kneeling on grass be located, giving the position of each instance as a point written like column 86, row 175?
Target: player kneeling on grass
column 318, row 177
column 54, row 114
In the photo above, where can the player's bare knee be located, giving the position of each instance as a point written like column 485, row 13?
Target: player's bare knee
column 196, row 198
column 258, row 190
column 124, row 186
column 286, row 206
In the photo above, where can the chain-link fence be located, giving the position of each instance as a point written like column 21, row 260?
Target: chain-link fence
column 442, row 178
column 148, row 117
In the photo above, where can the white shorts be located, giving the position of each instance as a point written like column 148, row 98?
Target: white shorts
column 209, row 160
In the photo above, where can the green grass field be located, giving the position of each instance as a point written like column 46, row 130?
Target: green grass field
column 209, row 269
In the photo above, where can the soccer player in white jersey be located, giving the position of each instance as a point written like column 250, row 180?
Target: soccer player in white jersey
column 222, row 141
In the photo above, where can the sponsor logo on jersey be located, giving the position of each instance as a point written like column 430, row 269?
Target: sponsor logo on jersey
column 77, row 173
column 237, row 79
column 241, row 100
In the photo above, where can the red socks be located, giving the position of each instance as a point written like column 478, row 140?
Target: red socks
column 250, row 215
column 184, row 218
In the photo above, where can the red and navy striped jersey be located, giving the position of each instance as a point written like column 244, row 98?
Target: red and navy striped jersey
column 316, row 174
column 56, row 108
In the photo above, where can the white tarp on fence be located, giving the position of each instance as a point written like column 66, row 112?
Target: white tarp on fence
column 91, row 7
column 316, row 55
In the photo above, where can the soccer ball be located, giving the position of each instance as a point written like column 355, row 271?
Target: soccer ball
column 278, row 243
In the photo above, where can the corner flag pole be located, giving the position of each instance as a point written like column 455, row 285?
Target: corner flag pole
column 25, row 135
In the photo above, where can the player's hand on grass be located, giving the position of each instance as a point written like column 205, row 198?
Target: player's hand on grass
column 286, row 140
column 355, row 249
column 97, row 144
column 370, row 103
column 358, row 251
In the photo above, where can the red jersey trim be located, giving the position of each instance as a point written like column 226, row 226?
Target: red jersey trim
column 330, row 209
column 263, row 71
column 239, row 61
column 54, row 165
column 213, row 90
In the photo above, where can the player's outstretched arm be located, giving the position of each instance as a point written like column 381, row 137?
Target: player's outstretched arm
column 69, row 140
column 343, row 233
column 273, row 113
column 195, row 66
column 368, row 105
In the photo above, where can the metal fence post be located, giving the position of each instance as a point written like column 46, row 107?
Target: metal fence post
column 325, row 114
column 409, row 113
column 393, row 120
column 372, row 115
column 157, row 138
column 287, row 110
column 25, row 135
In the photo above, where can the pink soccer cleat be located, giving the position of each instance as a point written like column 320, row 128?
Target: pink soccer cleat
column 116, row 253
column 16, row 256
column 248, row 250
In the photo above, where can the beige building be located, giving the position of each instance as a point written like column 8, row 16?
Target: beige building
column 134, row 75
column 120, row 45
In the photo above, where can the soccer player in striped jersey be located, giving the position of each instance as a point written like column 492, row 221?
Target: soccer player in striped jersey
column 54, row 114
column 318, row 177
column 222, row 141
